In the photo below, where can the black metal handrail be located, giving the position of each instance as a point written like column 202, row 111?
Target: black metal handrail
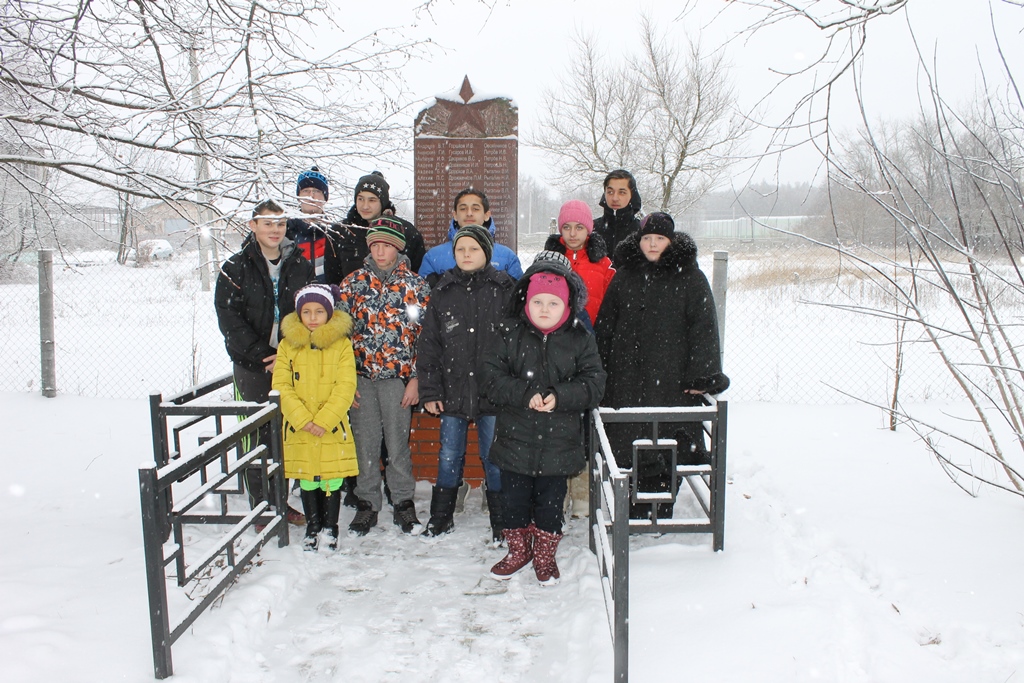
column 215, row 470
column 612, row 489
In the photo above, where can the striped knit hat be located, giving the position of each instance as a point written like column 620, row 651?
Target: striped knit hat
column 325, row 295
column 479, row 233
column 386, row 230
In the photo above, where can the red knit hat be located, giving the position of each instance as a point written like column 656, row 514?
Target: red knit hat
column 548, row 283
column 575, row 211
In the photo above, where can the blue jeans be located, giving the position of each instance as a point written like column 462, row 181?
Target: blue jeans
column 453, row 451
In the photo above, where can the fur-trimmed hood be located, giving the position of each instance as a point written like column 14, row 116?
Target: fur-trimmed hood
column 596, row 248
column 298, row 335
column 577, row 290
column 680, row 253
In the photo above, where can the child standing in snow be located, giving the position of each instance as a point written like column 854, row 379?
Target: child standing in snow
column 544, row 374
column 316, row 376
column 461, row 320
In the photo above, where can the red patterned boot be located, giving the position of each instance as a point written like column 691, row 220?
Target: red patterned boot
column 545, row 543
column 520, row 552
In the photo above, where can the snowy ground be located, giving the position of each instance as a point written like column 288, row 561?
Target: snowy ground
column 849, row 557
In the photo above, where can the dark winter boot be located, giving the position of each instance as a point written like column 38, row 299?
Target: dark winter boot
column 496, row 510
column 405, row 517
column 545, row 543
column 520, row 552
column 311, row 503
column 365, row 519
column 442, row 511
column 331, row 511
column 349, row 491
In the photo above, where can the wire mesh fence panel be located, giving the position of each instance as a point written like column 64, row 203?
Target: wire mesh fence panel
column 791, row 335
column 121, row 331
column 802, row 329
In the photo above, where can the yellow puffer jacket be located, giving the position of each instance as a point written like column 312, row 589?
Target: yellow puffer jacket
column 316, row 375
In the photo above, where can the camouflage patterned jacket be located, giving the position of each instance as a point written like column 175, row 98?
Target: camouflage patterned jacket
column 386, row 309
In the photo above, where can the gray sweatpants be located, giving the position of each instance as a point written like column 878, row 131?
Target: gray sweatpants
column 380, row 410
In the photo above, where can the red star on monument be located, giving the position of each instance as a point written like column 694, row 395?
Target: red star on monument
column 460, row 114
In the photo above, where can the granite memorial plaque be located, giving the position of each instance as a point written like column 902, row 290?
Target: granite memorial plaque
column 461, row 141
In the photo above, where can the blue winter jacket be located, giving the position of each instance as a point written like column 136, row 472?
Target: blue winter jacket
column 442, row 257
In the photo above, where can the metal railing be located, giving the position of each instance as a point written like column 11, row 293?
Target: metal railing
column 211, row 477
column 614, row 489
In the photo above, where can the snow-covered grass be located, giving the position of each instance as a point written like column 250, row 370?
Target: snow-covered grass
column 123, row 332
column 848, row 557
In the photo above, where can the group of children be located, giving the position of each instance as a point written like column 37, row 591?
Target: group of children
column 517, row 357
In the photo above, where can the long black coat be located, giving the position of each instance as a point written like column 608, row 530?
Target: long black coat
column 657, row 329
column 244, row 300
column 527, row 362
column 460, row 325
column 658, row 336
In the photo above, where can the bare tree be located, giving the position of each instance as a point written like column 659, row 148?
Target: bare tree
column 203, row 101
column 667, row 114
column 950, row 187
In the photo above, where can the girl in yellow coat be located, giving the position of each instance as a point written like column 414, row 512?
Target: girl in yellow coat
column 315, row 373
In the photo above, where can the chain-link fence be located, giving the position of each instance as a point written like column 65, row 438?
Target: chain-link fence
column 123, row 331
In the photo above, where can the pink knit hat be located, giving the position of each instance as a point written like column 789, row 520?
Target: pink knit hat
column 548, row 283
column 575, row 211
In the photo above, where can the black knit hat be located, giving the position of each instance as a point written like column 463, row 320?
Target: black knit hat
column 481, row 234
column 312, row 178
column 658, row 223
column 376, row 184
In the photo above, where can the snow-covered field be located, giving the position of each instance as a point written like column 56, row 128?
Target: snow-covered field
column 848, row 557
column 123, row 332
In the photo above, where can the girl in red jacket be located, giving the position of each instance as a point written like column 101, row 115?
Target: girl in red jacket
column 585, row 250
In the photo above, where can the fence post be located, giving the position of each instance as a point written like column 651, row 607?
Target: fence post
column 159, row 621
column 620, row 580
column 47, row 352
column 719, row 288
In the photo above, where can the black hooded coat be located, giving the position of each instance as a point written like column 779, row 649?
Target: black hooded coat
column 526, row 362
column 616, row 225
column 460, row 325
column 657, row 331
column 244, row 300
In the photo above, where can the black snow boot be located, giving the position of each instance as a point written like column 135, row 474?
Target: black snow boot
column 311, row 506
column 364, row 520
column 496, row 510
column 442, row 511
column 349, row 491
column 405, row 517
column 331, row 510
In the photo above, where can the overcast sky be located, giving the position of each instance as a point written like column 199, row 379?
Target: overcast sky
column 520, row 47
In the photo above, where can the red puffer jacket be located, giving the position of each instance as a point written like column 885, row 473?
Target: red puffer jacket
column 591, row 264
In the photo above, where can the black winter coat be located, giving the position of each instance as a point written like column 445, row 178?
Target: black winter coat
column 657, row 329
column 347, row 248
column 244, row 300
column 460, row 325
column 615, row 226
column 527, row 362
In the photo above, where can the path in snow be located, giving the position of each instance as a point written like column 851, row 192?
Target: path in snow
column 391, row 607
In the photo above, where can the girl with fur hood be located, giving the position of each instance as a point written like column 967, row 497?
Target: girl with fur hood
column 544, row 373
column 658, row 335
column 316, row 376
